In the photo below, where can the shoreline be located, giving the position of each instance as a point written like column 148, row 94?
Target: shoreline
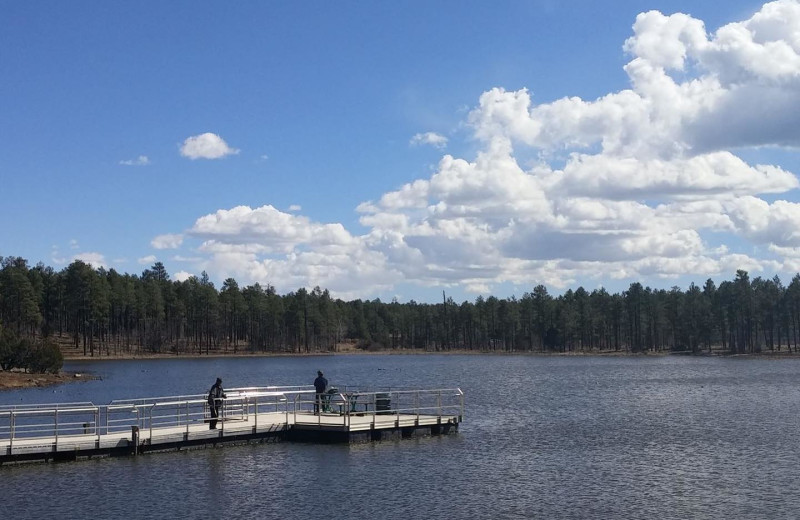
column 129, row 357
column 460, row 352
column 21, row 380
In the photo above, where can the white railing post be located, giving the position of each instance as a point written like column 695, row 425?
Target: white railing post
column 348, row 420
column 395, row 402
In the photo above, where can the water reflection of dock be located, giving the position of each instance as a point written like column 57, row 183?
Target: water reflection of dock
column 74, row 431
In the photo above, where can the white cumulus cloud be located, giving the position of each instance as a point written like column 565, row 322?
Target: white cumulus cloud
column 268, row 227
column 288, row 251
column 182, row 276
column 206, row 146
column 94, row 259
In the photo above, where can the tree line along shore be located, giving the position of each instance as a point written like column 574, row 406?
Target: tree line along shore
column 90, row 312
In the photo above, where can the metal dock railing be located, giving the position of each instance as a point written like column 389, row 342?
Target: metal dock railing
column 129, row 426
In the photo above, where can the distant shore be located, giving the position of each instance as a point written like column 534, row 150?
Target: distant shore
column 348, row 350
column 345, row 352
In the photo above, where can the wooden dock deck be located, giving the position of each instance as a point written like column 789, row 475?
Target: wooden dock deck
column 65, row 432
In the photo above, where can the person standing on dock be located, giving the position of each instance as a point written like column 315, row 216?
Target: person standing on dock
column 320, row 384
column 215, row 395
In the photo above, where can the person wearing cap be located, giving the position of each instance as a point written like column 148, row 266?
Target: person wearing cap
column 320, row 384
column 215, row 396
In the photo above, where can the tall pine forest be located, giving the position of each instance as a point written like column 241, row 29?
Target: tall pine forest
column 99, row 312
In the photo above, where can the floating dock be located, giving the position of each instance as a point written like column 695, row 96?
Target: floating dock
column 76, row 431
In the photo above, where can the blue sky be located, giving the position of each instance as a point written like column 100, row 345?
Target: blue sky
column 398, row 150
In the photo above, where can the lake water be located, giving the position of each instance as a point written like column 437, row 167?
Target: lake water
column 543, row 437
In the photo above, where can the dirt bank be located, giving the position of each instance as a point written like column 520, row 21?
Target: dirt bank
column 15, row 380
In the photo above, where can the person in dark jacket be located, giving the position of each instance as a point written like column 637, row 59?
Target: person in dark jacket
column 320, row 384
column 215, row 396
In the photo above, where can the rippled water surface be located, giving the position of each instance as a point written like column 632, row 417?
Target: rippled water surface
column 543, row 437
